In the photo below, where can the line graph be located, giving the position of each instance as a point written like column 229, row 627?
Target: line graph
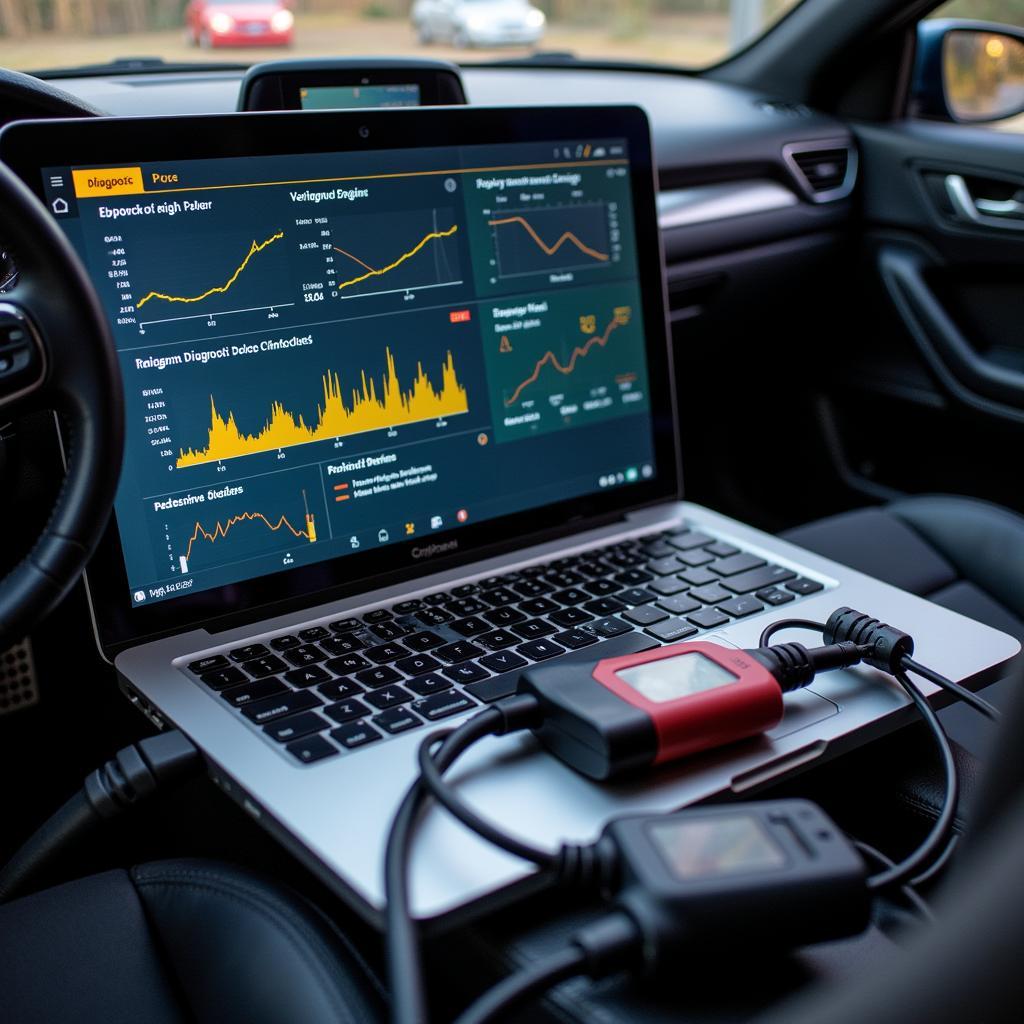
column 381, row 271
column 254, row 249
column 550, row 239
column 620, row 319
column 221, row 529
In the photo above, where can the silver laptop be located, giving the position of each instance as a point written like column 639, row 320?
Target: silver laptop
column 400, row 424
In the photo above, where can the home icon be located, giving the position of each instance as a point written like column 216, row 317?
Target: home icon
column 60, row 205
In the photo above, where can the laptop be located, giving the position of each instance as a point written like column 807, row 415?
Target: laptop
column 400, row 423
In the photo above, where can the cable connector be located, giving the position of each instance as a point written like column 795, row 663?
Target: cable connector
column 882, row 646
column 136, row 771
column 794, row 665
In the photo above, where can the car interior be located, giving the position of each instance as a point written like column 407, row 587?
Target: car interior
column 817, row 238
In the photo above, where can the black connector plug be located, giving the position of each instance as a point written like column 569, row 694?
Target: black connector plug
column 882, row 646
column 794, row 665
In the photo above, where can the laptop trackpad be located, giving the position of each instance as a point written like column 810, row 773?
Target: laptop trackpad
column 802, row 708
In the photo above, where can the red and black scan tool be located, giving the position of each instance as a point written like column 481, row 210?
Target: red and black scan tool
column 640, row 710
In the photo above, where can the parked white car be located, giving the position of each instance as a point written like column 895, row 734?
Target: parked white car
column 478, row 22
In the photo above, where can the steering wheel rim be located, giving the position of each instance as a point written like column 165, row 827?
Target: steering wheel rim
column 64, row 359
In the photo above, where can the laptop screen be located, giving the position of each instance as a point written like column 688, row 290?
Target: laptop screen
column 333, row 353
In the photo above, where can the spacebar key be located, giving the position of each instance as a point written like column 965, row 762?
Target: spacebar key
column 505, row 685
column 755, row 579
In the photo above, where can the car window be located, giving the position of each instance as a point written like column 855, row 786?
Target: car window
column 983, row 70
column 52, row 34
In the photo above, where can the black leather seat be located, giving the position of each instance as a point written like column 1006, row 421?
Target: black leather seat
column 962, row 553
column 177, row 941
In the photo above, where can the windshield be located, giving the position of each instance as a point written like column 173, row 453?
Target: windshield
column 63, row 34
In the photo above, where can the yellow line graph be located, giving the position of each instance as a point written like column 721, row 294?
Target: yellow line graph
column 397, row 263
column 256, row 247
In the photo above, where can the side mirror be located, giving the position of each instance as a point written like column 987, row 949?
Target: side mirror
column 968, row 71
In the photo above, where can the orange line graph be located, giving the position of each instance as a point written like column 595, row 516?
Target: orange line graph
column 221, row 529
column 619, row 319
column 550, row 250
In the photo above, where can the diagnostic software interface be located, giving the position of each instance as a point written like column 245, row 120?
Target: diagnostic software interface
column 328, row 353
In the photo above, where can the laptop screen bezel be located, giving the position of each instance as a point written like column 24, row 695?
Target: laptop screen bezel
column 29, row 147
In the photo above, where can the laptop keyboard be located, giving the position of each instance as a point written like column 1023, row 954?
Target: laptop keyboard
column 327, row 689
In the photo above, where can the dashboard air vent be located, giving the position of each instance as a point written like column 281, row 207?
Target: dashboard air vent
column 824, row 171
column 784, row 108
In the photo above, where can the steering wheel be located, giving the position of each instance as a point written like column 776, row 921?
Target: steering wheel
column 56, row 352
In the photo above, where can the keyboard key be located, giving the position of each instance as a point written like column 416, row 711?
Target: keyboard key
column 593, row 570
column 498, row 639
column 464, row 590
column 221, row 677
column 388, row 697
column 611, row 626
column 433, row 617
column 538, row 606
column 503, row 661
column 433, row 600
column 344, row 625
column 309, row 676
column 466, row 672
column 604, row 606
column 698, row 577
column 442, row 705
column 339, row 689
column 575, row 639
column 307, row 654
column 805, row 586
column 530, row 588
column 269, row 665
column 633, row 578
column 425, row 686
column 465, row 607
column 571, row 617
column 346, row 710
column 711, row 594
column 500, row 596
column 571, row 595
column 668, row 586
column 248, row 652
column 601, row 588
column 774, row 596
column 493, row 582
column 678, row 605
column 471, row 626
column 664, row 566
column 671, row 630
column 418, row 665
column 659, row 548
column 540, row 650
column 208, row 664
column 708, row 618
column 285, row 643
column 756, row 579
column 311, row 748
column 504, row 617
column 252, row 692
column 534, row 629
column 696, row 557
column 424, row 641
column 277, row 707
column 644, row 615
column 381, row 675
column 461, row 650
column 563, row 578
column 313, row 633
column 742, row 562
column 721, row 550
column 635, row 595
column 347, row 664
column 408, row 607
column 385, row 652
column 377, row 615
column 396, row 720
column 338, row 645
column 294, row 726
column 689, row 540
column 355, row 734
column 740, row 607
column 389, row 630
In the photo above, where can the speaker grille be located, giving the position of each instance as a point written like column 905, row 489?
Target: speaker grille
column 18, row 685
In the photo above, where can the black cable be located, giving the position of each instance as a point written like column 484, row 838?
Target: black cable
column 524, row 985
column 430, row 776
column 775, row 627
column 408, row 1003
column 909, row 894
column 940, row 832
column 978, row 703
column 939, row 864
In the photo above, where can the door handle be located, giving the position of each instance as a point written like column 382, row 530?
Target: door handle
column 997, row 213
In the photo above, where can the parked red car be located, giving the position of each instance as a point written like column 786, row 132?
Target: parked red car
column 239, row 23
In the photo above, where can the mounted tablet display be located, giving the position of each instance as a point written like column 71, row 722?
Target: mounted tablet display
column 355, row 83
